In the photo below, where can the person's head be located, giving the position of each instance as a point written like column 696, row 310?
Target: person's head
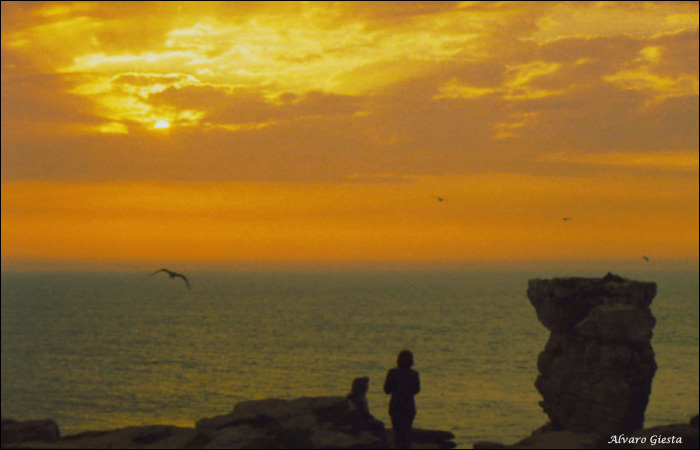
column 360, row 386
column 405, row 359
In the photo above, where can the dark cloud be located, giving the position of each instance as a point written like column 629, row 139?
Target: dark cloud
column 679, row 53
column 396, row 12
column 241, row 106
column 41, row 100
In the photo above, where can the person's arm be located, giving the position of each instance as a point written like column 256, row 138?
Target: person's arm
column 364, row 409
column 389, row 383
column 417, row 387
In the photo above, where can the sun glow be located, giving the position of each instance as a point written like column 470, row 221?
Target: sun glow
column 325, row 131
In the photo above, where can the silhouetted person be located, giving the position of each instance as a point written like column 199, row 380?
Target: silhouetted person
column 366, row 421
column 403, row 383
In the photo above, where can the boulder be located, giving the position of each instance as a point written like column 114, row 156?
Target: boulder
column 243, row 436
column 333, row 440
column 301, row 412
column 431, row 439
column 145, row 437
column 307, row 422
column 488, row 445
column 29, row 430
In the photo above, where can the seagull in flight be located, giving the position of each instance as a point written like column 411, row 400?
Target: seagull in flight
column 440, row 199
column 173, row 275
column 646, row 258
column 567, row 219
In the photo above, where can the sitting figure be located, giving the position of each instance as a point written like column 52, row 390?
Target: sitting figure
column 364, row 420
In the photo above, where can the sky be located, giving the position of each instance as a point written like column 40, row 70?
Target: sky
column 252, row 133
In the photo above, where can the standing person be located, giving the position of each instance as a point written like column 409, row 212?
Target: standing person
column 403, row 383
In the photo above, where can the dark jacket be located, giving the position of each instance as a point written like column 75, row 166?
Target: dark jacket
column 402, row 384
column 361, row 405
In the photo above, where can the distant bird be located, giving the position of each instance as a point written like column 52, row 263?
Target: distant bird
column 440, row 199
column 567, row 219
column 645, row 258
column 173, row 275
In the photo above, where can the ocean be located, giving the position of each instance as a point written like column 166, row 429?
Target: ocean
column 108, row 350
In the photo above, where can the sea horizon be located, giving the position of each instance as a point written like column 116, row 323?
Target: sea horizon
column 546, row 265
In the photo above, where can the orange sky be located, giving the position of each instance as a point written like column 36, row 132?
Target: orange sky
column 324, row 132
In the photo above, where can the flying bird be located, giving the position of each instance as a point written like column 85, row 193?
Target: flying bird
column 173, row 275
column 646, row 258
column 440, row 199
column 567, row 219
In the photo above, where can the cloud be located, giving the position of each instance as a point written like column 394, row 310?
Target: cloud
column 671, row 161
column 224, row 105
column 325, row 91
column 634, row 19
column 40, row 108
column 667, row 66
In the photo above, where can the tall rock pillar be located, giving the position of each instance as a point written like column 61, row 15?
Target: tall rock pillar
column 597, row 367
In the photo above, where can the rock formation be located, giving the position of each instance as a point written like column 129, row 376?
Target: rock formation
column 597, row 367
column 307, row 422
column 29, row 430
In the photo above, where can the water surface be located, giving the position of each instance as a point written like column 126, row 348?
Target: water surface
column 106, row 350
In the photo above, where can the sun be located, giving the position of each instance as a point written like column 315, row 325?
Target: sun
column 162, row 124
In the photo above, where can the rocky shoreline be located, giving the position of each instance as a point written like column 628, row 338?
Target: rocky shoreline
column 595, row 377
column 675, row 436
column 307, row 422
column 313, row 422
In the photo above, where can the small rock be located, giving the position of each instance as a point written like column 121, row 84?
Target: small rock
column 486, row 445
column 30, row 430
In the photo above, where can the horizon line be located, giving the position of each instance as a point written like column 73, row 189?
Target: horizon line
column 540, row 264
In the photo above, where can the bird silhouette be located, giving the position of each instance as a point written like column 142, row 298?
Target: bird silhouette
column 567, row 219
column 173, row 275
column 645, row 258
column 440, row 199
